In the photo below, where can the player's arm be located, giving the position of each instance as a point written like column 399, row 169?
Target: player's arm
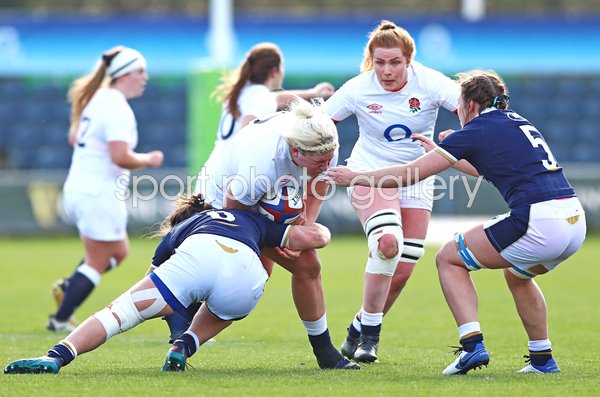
column 394, row 176
column 313, row 202
column 303, row 237
column 285, row 98
column 124, row 157
column 429, row 145
column 231, row 203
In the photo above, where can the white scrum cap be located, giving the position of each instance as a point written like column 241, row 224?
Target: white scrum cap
column 126, row 61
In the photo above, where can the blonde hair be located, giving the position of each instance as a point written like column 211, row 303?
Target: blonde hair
column 308, row 128
column 83, row 89
column 257, row 66
column 485, row 87
column 387, row 35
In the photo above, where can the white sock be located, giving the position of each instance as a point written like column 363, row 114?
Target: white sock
column 89, row 272
column 371, row 318
column 356, row 323
column 539, row 345
column 315, row 328
column 468, row 328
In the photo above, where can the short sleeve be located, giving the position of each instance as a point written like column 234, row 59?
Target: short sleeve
column 120, row 123
column 257, row 101
column 446, row 91
column 340, row 105
column 276, row 234
column 462, row 144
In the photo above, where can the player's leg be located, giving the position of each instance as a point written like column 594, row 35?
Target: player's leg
column 415, row 222
column 379, row 212
column 469, row 252
column 100, row 257
column 141, row 302
column 204, row 326
column 238, row 286
column 556, row 231
column 531, row 307
column 307, row 292
column 102, row 223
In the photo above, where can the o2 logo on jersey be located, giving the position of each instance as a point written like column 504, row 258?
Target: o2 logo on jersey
column 393, row 135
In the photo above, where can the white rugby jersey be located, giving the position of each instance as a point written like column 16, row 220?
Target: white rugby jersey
column 387, row 119
column 107, row 117
column 257, row 161
column 255, row 99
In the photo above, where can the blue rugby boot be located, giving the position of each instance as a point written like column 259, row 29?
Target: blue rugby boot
column 467, row 361
column 548, row 368
column 175, row 361
column 39, row 365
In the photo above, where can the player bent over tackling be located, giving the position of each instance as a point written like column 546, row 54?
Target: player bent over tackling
column 216, row 261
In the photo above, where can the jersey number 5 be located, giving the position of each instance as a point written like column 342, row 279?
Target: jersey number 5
column 536, row 140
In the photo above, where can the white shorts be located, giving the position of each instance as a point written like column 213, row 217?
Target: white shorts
column 418, row 196
column 100, row 217
column 224, row 273
column 543, row 233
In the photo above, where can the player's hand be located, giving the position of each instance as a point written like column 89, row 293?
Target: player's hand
column 155, row 158
column 426, row 143
column 288, row 253
column 444, row 134
column 341, row 175
column 324, row 90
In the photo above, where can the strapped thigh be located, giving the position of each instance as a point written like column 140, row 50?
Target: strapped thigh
column 471, row 263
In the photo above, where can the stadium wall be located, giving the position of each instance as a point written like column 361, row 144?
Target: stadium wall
column 51, row 48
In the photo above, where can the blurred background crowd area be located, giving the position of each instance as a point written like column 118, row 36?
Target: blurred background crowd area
column 547, row 51
column 308, row 7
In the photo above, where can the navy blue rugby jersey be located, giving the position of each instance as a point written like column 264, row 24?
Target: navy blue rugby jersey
column 247, row 227
column 508, row 151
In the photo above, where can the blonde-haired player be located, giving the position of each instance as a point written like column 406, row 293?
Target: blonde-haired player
column 292, row 147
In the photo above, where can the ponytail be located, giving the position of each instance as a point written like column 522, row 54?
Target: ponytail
column 185, row 207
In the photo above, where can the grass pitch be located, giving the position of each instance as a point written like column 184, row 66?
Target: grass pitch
column 268, row 353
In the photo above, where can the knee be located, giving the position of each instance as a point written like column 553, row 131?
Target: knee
column 308, row 265
column 388, row 246
column 440, row 259
column 120, row 254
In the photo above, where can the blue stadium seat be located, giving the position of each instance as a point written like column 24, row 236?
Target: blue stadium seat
column 52, row 157
column 585, row 153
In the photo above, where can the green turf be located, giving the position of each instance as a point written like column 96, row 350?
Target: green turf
column 268, row 353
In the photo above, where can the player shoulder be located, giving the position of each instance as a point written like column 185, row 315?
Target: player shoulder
column 361, row 81
column 426, row 73
column 255, row 89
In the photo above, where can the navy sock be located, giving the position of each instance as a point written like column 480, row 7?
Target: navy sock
column 327, row 355
column 62, row 354
column 177, row 323
column 540, row 358
column 371, row 330
column 353, row 332
column 469, row 343
column 185, row 344
column 79, row 287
